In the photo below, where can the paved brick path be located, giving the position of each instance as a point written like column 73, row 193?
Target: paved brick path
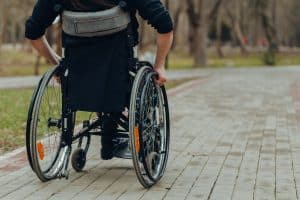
column 235, row 135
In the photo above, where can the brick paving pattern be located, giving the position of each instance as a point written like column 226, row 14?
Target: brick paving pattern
column 234, row 135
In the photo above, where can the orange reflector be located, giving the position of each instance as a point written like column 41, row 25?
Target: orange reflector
column 137, row 139
column 40, row 149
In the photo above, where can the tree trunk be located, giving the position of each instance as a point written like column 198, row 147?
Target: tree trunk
column 234, row 15
column 239, row 36
column 3, row 29
column 176, row 21
column 219, row 36
column 199, row 22
column 192, row 39
column 3, row 20
column 200, row 55
column 197, row 32
column 274, row 22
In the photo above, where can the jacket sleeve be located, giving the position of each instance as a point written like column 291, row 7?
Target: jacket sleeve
column 155, row 13
column 42, row 17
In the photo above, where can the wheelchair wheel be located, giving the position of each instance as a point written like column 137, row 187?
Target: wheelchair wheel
column 45, row 153
column 78, row 159
column 148, row 127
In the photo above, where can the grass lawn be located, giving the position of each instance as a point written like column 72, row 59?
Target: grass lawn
column 19, row 63
column 250, row 60
column 14, row 105
column 13, row 114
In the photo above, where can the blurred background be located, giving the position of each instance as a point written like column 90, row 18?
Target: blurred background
column 208, row 34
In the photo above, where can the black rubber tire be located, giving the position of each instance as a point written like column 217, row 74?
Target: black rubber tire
column 78, row 159
column 32, row 133
column 29, row 118
column 145, row 178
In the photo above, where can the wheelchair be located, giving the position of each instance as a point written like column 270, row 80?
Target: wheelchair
column 52, row 131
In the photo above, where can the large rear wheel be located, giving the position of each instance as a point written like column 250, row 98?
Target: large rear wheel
column 45, row 152
column 149, row 127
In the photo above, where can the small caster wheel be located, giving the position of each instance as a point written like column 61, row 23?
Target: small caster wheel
column 78, row 160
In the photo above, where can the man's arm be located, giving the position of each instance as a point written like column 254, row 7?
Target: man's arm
column 158, row 17
column 164, row 43
column 44, row 49
column 43, row 15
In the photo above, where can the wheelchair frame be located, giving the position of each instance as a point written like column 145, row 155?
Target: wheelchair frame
column 145, row 167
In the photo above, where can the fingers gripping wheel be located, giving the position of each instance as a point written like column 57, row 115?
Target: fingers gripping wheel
column 148, row 127
column 45, row 153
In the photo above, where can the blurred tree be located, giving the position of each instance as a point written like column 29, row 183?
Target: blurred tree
column 199, row 20
column 3, row 19
column 233, row 10
column 219, row 31
column 260, row 10
column 177, row 13
column 290, row 35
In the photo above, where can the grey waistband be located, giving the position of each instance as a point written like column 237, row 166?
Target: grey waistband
column 90, row 24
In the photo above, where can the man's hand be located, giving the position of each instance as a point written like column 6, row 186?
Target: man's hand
column 162, row 78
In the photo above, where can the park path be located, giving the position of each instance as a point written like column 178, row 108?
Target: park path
column 234, row 135
column 31, row 81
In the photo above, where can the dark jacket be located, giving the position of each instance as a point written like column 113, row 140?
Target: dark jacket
column 45, row 12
